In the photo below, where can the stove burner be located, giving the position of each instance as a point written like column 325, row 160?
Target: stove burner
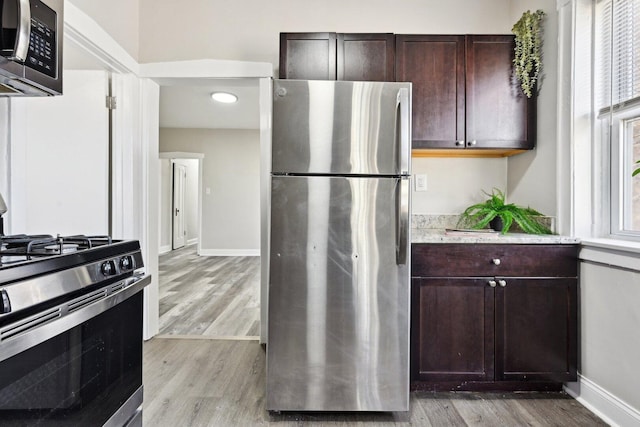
column 22, row 247
column 63, row 248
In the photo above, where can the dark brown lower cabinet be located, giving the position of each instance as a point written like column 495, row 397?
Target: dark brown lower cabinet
column 493, row 332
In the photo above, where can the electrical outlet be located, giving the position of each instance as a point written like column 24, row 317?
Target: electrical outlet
column 420, row 182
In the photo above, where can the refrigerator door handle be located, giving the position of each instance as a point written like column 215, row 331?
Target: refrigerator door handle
column 403, row 129
column 402, row 220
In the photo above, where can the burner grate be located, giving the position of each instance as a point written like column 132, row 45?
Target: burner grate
column 43, row 245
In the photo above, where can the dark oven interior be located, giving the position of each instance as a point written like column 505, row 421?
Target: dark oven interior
column 80, row 377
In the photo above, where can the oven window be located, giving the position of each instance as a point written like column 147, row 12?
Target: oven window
column 79, row 377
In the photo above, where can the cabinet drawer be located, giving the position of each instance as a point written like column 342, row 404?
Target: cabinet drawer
column 473, row 260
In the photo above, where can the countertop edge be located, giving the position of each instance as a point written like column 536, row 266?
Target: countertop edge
column 427, row 235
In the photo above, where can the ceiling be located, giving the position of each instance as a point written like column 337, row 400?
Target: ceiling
column 187, row 103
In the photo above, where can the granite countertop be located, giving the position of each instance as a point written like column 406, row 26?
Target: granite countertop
column 434, row 235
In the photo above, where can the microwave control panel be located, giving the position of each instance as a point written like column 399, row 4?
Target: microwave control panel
column 42, row 48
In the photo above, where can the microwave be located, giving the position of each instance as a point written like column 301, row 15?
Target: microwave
column 31, row 47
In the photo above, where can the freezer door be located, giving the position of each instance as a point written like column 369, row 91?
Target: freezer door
column 338, row 297
column 325, row 127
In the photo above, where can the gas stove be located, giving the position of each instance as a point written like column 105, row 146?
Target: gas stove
column 71, row 330
column 35, row 269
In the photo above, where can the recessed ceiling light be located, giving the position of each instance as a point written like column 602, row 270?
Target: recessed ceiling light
column 225, row 97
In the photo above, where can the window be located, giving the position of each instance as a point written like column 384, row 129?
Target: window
column 618, row 99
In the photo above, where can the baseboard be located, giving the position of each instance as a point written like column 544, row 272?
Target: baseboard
column 192, row 241
column 611, row 409
column 164, row 249
column 229, row 252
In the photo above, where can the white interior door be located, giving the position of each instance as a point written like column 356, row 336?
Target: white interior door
column 179, row 189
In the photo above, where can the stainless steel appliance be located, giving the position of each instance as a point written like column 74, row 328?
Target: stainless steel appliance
column 70, row 331
column 338, row 319
column 31, row 47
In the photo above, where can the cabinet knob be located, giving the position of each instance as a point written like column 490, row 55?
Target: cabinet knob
column 496, row 261
column 492, row 283
column 502, row 283
column 459, row 143
column 471, row 143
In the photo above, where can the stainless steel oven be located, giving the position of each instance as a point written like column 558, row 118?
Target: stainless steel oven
column 71, row 333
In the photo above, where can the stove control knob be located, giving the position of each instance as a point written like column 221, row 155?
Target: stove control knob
column 5, row 304
column 126, row 263
column 108, row 268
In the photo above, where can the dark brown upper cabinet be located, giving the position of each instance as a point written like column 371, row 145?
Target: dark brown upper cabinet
column 366, row 57
column 309, row 56
column 331, row 56
column 466, row 100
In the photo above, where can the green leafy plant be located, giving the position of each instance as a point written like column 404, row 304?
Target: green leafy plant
column 637, row 171
column 480, row 215
column 528, row 50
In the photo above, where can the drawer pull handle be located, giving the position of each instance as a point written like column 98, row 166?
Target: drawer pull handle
column 496, row 261
column 502, row 283
column 492, row 283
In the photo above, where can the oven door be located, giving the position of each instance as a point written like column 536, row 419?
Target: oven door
column 82, row 368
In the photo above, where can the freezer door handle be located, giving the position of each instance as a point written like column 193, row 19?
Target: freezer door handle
column 402, row 220
column 403, row 129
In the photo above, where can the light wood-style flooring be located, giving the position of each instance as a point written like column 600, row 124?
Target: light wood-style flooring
column 204, row 371
column 209, row 296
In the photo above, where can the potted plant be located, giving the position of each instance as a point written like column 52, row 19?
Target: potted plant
column 528, row 50
column 494, row 210
column 637, row 171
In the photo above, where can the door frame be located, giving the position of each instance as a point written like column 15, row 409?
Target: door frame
column 136, row 135
column 171, row 155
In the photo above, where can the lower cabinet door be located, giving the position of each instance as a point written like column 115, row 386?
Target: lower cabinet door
column 536, row 330
column 452, row 330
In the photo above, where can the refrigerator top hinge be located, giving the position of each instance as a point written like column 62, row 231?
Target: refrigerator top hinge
column 111, row 102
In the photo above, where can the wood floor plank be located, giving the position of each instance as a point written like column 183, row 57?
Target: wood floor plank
column 191, row 382
column 216, row 296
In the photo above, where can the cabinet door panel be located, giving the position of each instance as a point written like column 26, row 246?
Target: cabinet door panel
column 435, row 65
column 310, row 56
column 497, row 110
column 536, row 330
column 366, row 57
column 452, row 330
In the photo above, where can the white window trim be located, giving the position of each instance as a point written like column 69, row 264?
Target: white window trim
column 581, row 192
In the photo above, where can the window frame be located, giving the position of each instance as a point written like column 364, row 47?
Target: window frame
column 616, row 153
column 617, row 167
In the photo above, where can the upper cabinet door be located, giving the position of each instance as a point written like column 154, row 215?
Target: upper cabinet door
column 309, row 56
column 499, row 115
column 366, row 57
column 435, row 65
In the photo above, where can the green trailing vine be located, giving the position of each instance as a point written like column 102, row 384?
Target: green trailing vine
column 637, row 171
column 528, row 50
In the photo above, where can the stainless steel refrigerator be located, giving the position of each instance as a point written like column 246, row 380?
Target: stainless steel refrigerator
column 338, row 312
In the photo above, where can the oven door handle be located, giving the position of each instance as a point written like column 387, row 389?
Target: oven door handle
column 26, row 333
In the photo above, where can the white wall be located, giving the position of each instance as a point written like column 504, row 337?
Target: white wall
column 609, row 341
column 120, row 18
column 59, row 159
column 532, row 177
column 231, row 174
column 250, row 31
